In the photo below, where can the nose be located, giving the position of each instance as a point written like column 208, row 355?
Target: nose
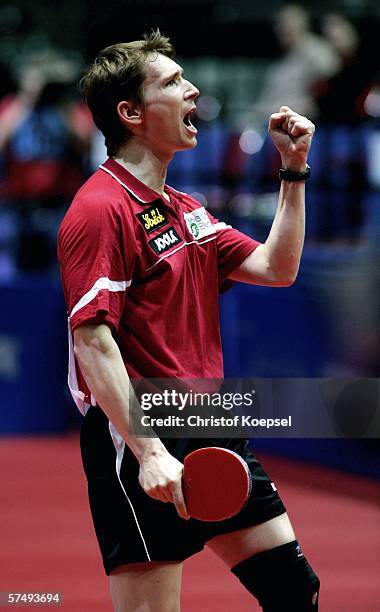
column 192, row 92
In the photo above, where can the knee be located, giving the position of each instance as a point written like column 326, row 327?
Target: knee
column 281, row 579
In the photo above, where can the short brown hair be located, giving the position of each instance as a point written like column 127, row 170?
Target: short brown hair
column 117, row 74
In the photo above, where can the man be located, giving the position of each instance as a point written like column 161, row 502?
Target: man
column 142, row 295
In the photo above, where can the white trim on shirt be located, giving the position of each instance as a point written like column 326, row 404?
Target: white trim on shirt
column 99, row 285
column 123, row 184
column 72, row 380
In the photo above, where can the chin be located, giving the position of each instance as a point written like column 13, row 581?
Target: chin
column 190, row 144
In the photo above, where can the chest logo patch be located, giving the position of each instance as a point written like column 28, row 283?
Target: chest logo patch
column 165, row 241
column 152, row 218
column 198, row 223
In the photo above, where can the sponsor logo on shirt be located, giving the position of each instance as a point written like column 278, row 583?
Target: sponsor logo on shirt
column 165, row 241
column 198, row 223
column 152, row 218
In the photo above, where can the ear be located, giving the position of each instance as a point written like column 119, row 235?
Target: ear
column 130, row 114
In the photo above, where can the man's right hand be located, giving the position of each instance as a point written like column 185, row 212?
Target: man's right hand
column 161, row 478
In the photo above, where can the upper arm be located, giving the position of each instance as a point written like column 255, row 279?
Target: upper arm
column 233, row 247
column 85, row 335
column 256, row 270
column 92, row 339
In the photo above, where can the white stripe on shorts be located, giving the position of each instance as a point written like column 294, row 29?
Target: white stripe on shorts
column 120, row 446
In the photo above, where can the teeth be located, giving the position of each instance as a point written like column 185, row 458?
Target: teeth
column 187, row 121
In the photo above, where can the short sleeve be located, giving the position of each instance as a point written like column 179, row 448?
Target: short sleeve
column 233, row 247
column 96, row 254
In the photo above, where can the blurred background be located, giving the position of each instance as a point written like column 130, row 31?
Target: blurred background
column 323, row 60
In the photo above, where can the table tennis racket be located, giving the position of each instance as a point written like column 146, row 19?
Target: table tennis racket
column 216, row 483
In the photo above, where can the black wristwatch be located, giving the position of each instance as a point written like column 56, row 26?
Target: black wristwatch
column 289, row 175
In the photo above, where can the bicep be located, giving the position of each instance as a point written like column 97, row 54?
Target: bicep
column 255, row 269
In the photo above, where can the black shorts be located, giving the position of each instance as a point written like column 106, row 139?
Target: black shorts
column 131, row 527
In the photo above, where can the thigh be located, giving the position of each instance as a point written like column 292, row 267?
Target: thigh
column 242, row 544
column 146, row 587
column 263, row 506
column 130, row 526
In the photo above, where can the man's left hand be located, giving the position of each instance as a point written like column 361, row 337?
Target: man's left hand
column 292, row 135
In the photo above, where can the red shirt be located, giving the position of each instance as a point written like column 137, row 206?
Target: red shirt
column 150, row 269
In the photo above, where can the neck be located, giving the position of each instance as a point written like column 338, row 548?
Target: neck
column 144, row 165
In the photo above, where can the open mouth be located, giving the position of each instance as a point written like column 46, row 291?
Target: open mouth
column 188, row 123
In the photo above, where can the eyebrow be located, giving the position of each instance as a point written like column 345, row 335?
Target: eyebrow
column 169, row 77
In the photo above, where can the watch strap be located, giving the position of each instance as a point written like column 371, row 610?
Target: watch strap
column 289, row 175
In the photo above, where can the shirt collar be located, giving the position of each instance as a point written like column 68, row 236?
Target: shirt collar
column 136, row 188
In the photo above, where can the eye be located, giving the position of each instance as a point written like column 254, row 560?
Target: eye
column 171, row 82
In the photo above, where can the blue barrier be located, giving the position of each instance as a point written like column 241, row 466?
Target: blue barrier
column 270, row 332
column 33, row 357
column 266, row 333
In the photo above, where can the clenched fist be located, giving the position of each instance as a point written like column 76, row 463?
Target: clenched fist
column 292, row 135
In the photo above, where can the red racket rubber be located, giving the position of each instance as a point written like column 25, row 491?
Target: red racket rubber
column 216, row 483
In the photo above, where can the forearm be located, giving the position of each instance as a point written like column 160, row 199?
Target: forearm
column 101, row 364
column 276, row 262
column 286, row 238
column 104, row 371
column 291, row 134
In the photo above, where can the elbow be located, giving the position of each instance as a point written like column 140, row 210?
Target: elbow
column 287, row 274
column 287, row 283
column 287, row 280
column 282, row 272
column 282, row 283
column 290, row 280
